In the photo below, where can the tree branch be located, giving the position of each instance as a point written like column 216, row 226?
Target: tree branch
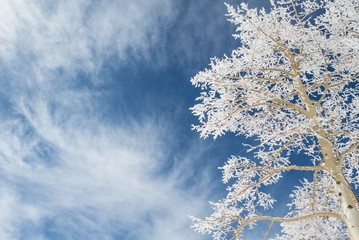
column 348, row 150
column 285, row 219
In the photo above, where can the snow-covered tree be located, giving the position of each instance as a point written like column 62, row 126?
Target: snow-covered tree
column 292, row 85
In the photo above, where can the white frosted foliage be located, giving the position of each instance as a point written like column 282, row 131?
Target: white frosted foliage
column 292, row 85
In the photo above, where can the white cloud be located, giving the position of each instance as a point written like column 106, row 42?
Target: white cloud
column 79, row 34
column 96, row 181
column 63, row 171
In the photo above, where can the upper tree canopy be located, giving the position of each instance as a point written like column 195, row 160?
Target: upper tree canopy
column 293, row 85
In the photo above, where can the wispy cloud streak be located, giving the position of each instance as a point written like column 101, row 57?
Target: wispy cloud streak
column 79, row 34
column 64, row 171
column 93, row 182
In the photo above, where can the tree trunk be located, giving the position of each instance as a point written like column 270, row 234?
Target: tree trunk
column 349, row 205
column 348, row 200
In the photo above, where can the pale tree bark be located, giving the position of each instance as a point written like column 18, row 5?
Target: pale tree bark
column 348, row 200
column 290, row 89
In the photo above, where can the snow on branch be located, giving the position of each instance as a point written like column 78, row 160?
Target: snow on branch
column 292, row 85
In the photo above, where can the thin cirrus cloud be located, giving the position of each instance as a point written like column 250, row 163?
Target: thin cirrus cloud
column 79, row 34
column 66, row 173
column 94, row 184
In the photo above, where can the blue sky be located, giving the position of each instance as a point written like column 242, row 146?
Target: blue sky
column 96, row 139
